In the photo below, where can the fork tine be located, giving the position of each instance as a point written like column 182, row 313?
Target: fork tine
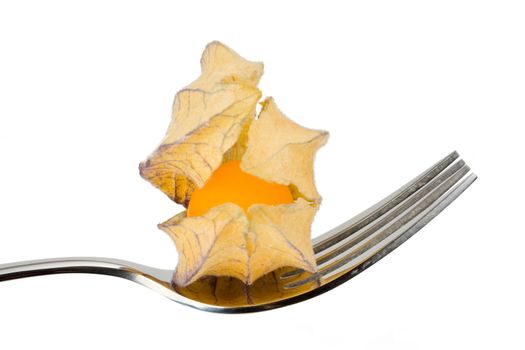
column 346, row 229
column 361, row 235
column 407, row 232
column 379, row 240
column 409, row 213
column 343, row 231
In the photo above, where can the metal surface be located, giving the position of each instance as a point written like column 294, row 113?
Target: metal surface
column 341, row 253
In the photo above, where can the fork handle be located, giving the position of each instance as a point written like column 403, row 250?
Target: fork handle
column 91, row 265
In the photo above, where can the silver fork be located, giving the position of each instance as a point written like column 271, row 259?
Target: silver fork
column 341, row 253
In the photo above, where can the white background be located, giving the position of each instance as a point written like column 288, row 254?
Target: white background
column 86, row 92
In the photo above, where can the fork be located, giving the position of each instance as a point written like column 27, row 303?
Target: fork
column 341, row 253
